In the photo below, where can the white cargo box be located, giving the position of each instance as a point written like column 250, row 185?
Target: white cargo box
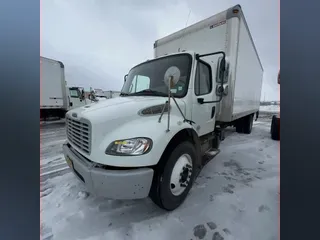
column 226, row 31
column 53, row 93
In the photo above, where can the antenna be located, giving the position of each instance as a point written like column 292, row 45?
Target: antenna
column 185, row 29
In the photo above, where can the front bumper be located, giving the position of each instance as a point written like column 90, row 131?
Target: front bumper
column 112, row 184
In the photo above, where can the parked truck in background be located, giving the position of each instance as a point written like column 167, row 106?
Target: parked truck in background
column 97, row 95
column 55, row 97
column 76, row 97
column 111, row 94
column 275, row 123
column 170, row 118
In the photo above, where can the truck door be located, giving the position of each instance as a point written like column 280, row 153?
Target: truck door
column 203, row 114
column 76, row 99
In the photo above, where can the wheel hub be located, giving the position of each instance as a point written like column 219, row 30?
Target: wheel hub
column 181, row 175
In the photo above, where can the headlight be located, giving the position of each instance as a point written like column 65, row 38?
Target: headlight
column 130, row 147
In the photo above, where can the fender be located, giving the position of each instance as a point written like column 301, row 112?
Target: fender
column 150, row 128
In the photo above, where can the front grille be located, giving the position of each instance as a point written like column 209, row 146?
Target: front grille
column 79, row 134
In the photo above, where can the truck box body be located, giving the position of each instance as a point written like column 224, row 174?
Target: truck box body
column 226, row 31
column 111, row 94
column 53, row 93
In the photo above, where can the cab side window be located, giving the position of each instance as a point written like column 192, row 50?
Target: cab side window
column 139, row 83
column 203, row 81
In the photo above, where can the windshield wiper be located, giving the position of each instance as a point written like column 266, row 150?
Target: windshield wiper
column 147, row 92
column 124, row 94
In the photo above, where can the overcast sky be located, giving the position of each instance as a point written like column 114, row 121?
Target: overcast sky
column 100, row 40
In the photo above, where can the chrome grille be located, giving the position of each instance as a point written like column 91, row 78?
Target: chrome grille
column 79, row 134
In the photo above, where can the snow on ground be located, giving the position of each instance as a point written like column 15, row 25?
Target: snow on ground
column 270, row 108
column 235, row 197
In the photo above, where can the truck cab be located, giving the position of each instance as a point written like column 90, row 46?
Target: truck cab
column 97, row 95
column 76, row 97
column 148, row 132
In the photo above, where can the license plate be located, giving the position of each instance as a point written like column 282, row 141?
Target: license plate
column 69, row 162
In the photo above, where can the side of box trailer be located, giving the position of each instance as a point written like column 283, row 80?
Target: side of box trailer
column 248, row 73
column 226, row 31
column 53, row 93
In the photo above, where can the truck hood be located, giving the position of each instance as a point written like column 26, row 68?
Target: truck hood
column 121, row 109
column 107, row 117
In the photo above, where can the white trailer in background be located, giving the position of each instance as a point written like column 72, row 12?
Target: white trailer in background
column 53, row 88
column 55, row 97
column 170, row 117
column 112, row 94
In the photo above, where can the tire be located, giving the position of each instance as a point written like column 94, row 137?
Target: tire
column 239, row 125
column 275, row 128
column 162, row 192
column 248, row 123
column 244, row 125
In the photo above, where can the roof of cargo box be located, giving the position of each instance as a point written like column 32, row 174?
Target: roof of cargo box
column 235, row 11
column 52, row 60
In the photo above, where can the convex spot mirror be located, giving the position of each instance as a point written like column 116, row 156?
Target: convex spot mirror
column 172, row 76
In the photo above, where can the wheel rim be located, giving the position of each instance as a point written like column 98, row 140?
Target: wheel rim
column 181, row 175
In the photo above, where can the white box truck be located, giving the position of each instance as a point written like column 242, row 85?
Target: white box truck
column 155, row 138
column 55, row 97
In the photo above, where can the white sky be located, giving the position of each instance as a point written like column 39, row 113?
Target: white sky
column 100, row 40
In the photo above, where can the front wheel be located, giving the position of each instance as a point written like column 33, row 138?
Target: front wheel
column 173, row 182
column 275, row 128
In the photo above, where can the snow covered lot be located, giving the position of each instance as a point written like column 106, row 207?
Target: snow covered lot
column 270, row 109
column 235, row 197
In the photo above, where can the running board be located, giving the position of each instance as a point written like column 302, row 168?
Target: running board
column 206, row 158
column 209, row 155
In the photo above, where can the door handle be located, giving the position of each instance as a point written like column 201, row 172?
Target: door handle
column 200, row 100
column 213, row 111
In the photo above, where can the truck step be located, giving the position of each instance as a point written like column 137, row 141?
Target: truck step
column 209, row 155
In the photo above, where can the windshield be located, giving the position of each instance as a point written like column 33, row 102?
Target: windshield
column 149, row 76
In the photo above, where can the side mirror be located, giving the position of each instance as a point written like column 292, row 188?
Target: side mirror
column 222, row 70
column 125, row 77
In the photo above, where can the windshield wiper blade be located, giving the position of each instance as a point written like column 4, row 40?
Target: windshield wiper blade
column 148, row 92
column 124, row 94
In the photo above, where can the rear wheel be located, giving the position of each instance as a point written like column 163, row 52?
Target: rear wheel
column 173, row 181
column 244, row 125
column 247, row 128
column 239, row 125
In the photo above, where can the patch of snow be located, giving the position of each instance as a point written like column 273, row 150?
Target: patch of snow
column 270, row 108
column 83, row 195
